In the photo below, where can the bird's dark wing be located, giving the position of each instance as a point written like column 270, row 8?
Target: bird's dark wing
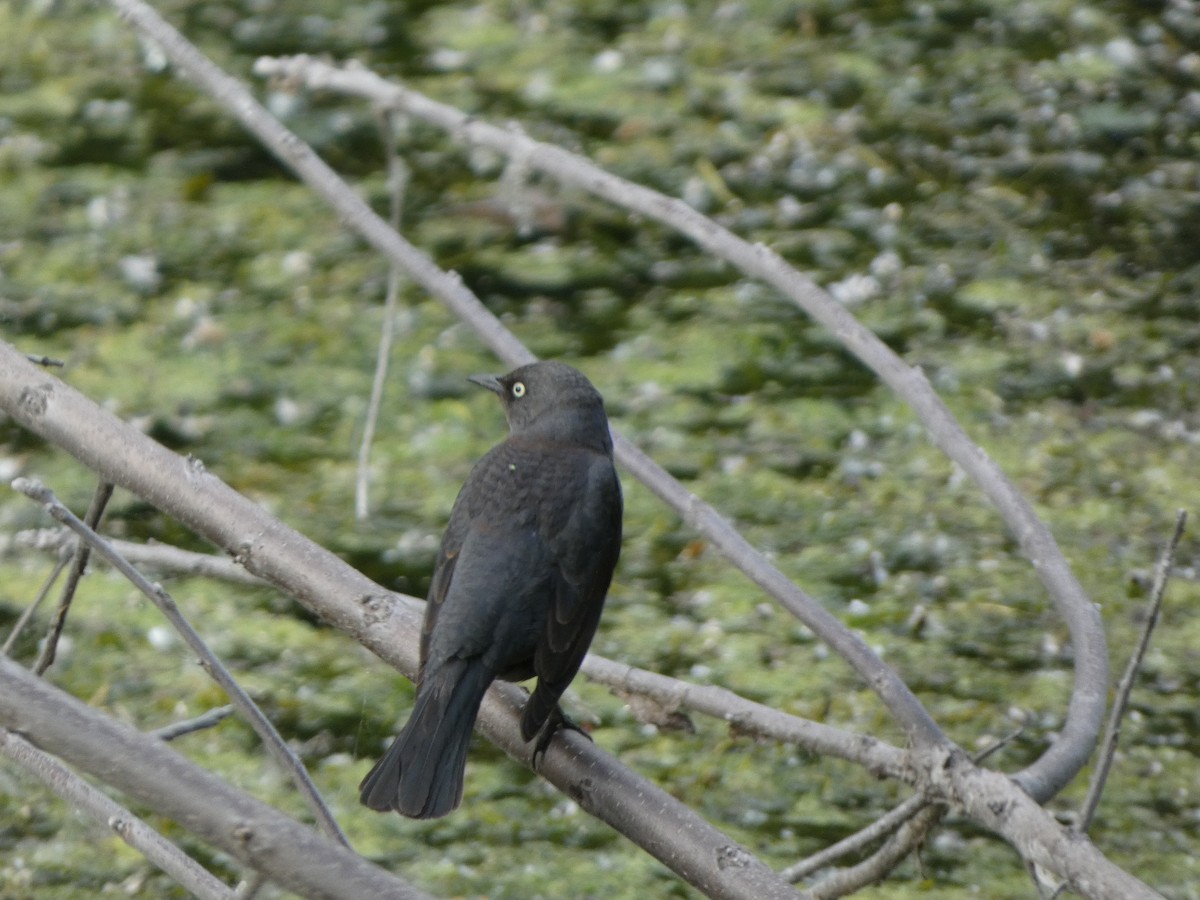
column 585, row 549
column 443, row 574
column 443, row 570
column 491, row 585
column 495, row 603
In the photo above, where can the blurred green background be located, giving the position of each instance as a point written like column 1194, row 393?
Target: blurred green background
column 1008, row 193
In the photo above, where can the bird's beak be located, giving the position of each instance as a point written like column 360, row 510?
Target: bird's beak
column 491, row 382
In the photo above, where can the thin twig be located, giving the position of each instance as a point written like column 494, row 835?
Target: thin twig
column 885, row 824
column 1112, row 731
column 32, row 608
column 888, row 822
column 894, row 851
column 163, row 558
column 95, row 511
column 134, row 831
column 189, row 726
column 397, row 183
column 997, row 746
column 47, row 361
column 271, row 738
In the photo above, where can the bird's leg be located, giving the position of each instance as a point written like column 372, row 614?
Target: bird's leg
column 556, row 721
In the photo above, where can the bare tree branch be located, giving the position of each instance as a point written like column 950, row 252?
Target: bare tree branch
column 747, row 717
column 133, row 831
column 742, row 716
column 912, row 821
column 342, row 596
column 884, row 825
column 988, row 798
column 152, row 773
column 938, row 769
column 162, row 558
column 190, row 726
column 895, row 849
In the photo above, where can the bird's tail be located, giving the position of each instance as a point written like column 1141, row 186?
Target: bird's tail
column 421, row 775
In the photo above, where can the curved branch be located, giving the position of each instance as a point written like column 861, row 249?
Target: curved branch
column 908, row 836
column 922, row 731
column 1085, row 712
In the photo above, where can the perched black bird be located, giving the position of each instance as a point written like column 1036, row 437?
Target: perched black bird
column 519, row 584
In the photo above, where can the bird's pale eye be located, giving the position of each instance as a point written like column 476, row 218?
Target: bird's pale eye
column 518, row 389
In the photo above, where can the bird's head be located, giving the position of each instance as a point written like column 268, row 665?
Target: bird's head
column 551, row 401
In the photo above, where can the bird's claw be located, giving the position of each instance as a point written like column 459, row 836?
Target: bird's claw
column 557, row 721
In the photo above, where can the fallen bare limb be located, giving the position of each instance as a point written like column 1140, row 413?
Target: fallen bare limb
column 152, row 773
column 134, row 831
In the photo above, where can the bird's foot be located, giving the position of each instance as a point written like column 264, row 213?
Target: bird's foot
column 557, row 721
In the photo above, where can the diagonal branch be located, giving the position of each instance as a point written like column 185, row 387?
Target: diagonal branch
column 272, row 740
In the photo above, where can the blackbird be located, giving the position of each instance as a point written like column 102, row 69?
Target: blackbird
column 519, row 583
